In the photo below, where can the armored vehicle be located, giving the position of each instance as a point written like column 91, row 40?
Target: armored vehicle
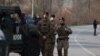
column 3, row 45
column 12, row 24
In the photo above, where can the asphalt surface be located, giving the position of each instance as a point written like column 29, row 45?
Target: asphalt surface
column 82, row 42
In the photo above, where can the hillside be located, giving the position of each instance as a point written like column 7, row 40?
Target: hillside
column 75, row 11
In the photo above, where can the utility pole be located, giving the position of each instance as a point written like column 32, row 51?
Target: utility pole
column 51, row 6
column 9, row 2
column 89, row 9
column 43, row 6
column 32, row 8
column 3, row 2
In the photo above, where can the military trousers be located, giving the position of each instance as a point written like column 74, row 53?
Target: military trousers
column 62, row 44
column 52, row 45
column 45, row 47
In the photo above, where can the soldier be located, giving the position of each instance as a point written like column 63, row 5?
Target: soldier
column 31, row 39
column 36, row 18
column 62, row 41
column 53, row 33
column 95, row 26
column 44, row 28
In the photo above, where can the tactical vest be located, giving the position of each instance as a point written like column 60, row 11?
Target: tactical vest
column 62, row 32
column 45, row 27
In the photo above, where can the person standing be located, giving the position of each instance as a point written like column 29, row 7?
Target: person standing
column 53, row 33
column 36, row 18
column 95, row 26
column 62, row 42
column 30, row 38
column 44, row 29
column 33, row 39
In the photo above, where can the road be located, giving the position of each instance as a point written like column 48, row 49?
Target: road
column 82, row 42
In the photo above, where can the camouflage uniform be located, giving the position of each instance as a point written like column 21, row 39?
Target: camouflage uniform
column 44, row 27
column 52, row 37
column 62, row 41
